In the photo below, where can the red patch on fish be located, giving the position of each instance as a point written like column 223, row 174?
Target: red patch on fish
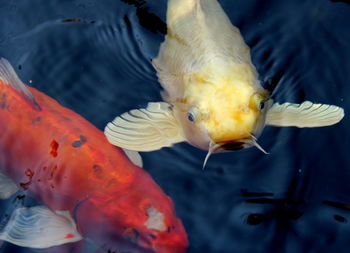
column 29, row 173
column 68, row 236
column 54, row 147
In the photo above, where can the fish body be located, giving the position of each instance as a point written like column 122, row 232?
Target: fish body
column 213, row 98
column 205, row 69
column 58, row 157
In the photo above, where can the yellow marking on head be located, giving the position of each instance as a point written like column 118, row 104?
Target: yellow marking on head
column 223, row 100
column 181, row 100
column 231, row 116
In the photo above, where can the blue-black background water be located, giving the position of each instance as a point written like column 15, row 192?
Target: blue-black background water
column 94, row 57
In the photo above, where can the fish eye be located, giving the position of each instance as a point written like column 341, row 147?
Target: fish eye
column 190, row 116
column 261, row 105
column 258, row 101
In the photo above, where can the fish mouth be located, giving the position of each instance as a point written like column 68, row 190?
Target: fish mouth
column 235, row 145
column 232, row 146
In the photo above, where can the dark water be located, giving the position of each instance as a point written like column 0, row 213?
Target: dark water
column 94, row 58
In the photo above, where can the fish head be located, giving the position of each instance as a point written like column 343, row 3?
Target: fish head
column 164, row 233
column 222, row 114
column 152, row 223
column 140, row 218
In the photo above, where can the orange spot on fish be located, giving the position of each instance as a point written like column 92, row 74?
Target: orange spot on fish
column 54, row 147
column 68, row 236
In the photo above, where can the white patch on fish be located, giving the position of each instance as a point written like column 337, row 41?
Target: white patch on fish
column 155, row 219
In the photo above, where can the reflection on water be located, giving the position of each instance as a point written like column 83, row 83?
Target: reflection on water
column 95, row 58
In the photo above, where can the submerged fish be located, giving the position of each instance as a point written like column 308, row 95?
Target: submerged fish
column 213, row 98
column 89, row 188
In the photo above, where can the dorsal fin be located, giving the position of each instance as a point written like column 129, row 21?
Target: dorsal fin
column 9, row 77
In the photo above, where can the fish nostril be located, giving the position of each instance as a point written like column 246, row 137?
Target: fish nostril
column 132, row 235
column 245, row 109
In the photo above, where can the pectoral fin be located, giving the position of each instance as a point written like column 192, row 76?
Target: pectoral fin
column 306, row 114
column 145, row 129
column 39, row 227
column 7, row 187
column 134, row 157
column 9, row 77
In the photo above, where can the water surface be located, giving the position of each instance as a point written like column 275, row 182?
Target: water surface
column 94, row 57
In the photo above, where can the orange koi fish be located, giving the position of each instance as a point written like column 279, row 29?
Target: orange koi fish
column 89, row 188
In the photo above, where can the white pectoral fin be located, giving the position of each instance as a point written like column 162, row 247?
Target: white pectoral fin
column 134, row 157
column 145, row 129
column 306, row 114
column 39, row 227
column 7, row 187
column 9, row 77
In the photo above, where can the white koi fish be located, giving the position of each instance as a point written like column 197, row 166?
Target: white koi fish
column 213, row 98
